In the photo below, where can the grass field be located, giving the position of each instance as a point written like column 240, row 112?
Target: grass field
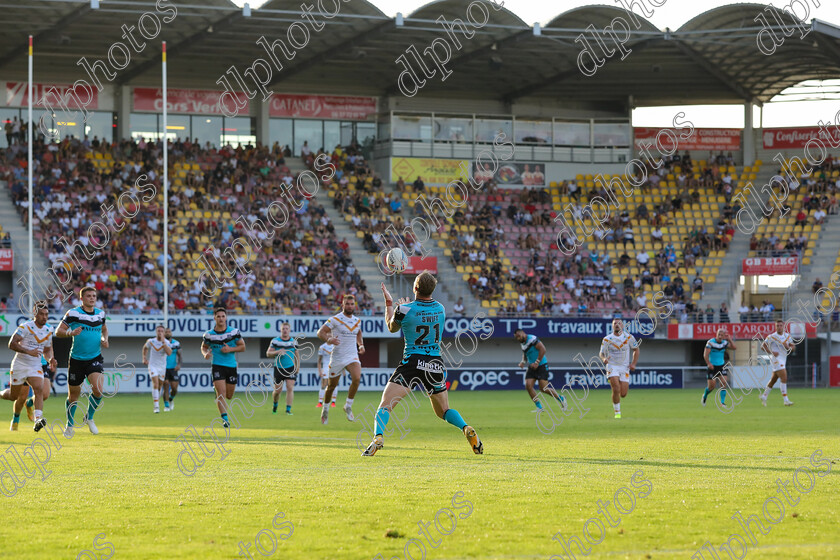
column 702, row 466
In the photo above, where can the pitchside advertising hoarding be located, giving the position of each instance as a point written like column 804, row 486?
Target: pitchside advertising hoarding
column 705, row 331
column 135, row 379
column 7, row 259
column 186, row 326
column 798, row 138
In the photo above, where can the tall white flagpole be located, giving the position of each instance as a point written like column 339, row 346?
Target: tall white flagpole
column 29, row 168
column 165, row 201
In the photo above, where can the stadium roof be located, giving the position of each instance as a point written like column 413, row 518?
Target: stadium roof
column 711, row 59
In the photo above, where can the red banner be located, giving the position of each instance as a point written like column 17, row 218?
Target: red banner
column 705, row 331
column 16, row 95
column 191, row 101
column 797, row 138
column 768, row 266
column 322, row 107
column 834, row 375
column 7, row 259
column 416, row 265
column 720, row 139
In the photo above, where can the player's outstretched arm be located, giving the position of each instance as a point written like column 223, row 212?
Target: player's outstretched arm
column 104, row 340
column 541, row 349
column 635, row 359
column 605, row 357
column 240, row 346
column 390, row 316
column 205, row 351
column 145, row 353
column 14, row 346
column 325, row 334
column 706, row 353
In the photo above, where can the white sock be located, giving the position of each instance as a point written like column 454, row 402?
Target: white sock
column 335, row 395
column 38, row 414
column 617, row 407
column 321, row 395
column 767, row 391
column 783, row 387
column 348, row 402
column 156, row 395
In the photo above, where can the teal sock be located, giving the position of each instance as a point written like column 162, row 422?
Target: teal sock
column 30, row 401
column 561, row 398
column 538, row 403
column 454, row 418
column 31, row 393
column 723, row 396
column 381, row 420
column 225, row 417
column 16, row 418
column 706, row 392
column 71, row 410
column 275, row 407
column 288, row 408
column 93, row 404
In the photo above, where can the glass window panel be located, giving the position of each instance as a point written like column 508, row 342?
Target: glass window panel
column 207, row 129
column 365, row 133
column 453, row 129
column 332, row 135
column 310, row 131
column 384, row 130
column 8, row 116
column 571, row 134
column 486, row 130
column 280, row 131
column 612, row 134
column 100, row 125
column 412, row 128
column 177, row 127
column 533, row 132
column 238, row 131
column 143, row 124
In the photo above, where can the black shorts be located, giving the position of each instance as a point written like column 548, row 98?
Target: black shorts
column 171, row 375
column 426, row 371
column 539, row 372
column 78, row 370
column 48, row 373
column 716, row 371
column 282, row 374
column 224, row 373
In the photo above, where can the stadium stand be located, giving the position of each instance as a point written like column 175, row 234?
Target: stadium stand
column 301, row 270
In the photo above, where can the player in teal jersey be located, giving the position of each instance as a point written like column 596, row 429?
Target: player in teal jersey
column 713, row 355
column 533, row 354
column 220, row 345
column 286, row 364
column 422, row 323
column 86, row 324
column 173, row 365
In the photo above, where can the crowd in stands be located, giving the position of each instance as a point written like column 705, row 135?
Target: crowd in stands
column 303, row 267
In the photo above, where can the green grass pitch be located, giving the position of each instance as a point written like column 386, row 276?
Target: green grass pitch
column 703, row 466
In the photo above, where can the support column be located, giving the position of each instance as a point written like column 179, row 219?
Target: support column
column 122, row 107
column 749, row 135
column 260, row 113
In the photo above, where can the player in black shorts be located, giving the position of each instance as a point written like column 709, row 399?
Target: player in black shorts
column 220, row 344
column 533, row 355
column 284, row 350
column 421, row 322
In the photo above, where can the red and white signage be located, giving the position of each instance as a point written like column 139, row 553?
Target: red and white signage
column 834, row 375
column 705, row 331
column 416, row 265
column 190, row 101
column 7, row 259
column 797, row 138
column 322, row 107
column 17, row 95
column 723, row 139
column 768, row 266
